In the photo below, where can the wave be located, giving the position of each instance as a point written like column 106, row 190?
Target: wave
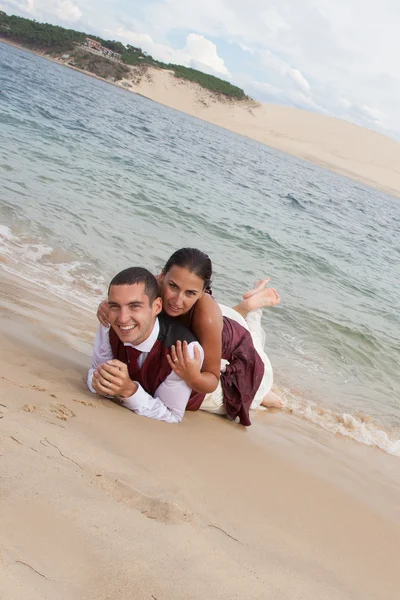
column 53, row 268
column 361, row 428
column 295, row 202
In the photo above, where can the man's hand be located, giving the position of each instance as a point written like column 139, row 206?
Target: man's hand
column 112, row 379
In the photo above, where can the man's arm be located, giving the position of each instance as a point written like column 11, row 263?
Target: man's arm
column 170, row 399
column 101, row 353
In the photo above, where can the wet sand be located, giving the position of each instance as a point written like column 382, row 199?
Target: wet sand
column 99, row 503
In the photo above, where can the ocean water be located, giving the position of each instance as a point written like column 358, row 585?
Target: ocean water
column 94, row 178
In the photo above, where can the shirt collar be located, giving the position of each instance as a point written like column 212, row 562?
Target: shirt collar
column 149, row 342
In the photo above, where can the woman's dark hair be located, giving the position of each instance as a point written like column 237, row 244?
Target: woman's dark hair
column 134, row 275
column 195, row 261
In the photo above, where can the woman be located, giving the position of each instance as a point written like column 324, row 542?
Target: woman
column 247, row 375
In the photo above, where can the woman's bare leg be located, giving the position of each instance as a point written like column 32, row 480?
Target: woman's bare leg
column 257, row 298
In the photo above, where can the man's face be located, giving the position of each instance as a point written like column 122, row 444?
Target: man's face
column 131, row 315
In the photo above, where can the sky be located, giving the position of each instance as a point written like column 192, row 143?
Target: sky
column 335, row 57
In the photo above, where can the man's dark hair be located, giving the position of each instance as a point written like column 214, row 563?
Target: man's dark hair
column 134, row 275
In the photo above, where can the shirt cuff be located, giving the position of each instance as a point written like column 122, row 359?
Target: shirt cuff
column 137, row 400
column 90, row 379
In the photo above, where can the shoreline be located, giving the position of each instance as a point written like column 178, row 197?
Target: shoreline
column 186, row 505
column 242, row 120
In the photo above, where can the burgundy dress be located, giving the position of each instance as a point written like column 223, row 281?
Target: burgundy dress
column 242, row 376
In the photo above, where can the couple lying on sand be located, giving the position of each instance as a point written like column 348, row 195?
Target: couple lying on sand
column 165, row 346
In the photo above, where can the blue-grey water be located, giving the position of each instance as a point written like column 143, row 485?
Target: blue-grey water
column 94, row 178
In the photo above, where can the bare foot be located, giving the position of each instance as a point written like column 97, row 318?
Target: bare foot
column 258, row 287
column 262, row 299
column 272, row 400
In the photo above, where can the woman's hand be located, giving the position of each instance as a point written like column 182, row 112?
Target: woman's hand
column 180, row 361
column 103, row 312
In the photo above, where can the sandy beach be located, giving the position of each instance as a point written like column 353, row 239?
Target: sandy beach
column 99, row 503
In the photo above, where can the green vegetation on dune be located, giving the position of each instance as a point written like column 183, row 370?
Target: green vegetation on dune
column 56, row 40
column 41, row 35
column 215, row 84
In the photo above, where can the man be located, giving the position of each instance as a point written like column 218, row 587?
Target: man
column 130, row 358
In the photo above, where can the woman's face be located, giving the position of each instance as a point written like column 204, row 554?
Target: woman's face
column 180, row 289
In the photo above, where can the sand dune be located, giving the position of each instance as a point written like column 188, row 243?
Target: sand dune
column 356, row 152
column 342, row 147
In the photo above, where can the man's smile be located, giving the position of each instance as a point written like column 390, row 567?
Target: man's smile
column 127, row 327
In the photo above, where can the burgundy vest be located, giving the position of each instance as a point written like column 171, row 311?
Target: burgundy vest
column 155, row 368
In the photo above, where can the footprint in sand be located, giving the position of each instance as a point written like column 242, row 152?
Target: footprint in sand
column 150, row 507
column 86, row 402
column 61, row 411
column 37, row 388
column 31, row 408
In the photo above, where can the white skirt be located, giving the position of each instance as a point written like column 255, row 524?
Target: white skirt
column 214, row 402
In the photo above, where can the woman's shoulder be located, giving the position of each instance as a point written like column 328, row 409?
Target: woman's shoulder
column 207, row 311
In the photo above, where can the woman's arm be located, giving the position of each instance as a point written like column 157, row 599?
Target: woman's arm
column 207, row 323
column 103, row 312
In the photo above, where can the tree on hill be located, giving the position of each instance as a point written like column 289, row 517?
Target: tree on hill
column 55, row 39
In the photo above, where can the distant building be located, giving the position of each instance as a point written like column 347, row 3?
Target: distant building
column 94, row 44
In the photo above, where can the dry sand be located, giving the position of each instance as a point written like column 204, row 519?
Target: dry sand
column 97, row 503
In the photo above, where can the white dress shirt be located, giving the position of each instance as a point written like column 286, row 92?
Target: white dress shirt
column 171, row 396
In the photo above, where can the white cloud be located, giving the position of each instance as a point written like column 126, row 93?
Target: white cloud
column 344, row 103
column 26, row 6
column 274, row 21
column 289, row 76
column 341, row 56
column 342, row 49
column 65, row 10
column 203, row 53
column 198, row 52
column 265, row 88
column 299, row 80
column 373, row 114
column 246, row 48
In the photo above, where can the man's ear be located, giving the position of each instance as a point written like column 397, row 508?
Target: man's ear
column 157, row 306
